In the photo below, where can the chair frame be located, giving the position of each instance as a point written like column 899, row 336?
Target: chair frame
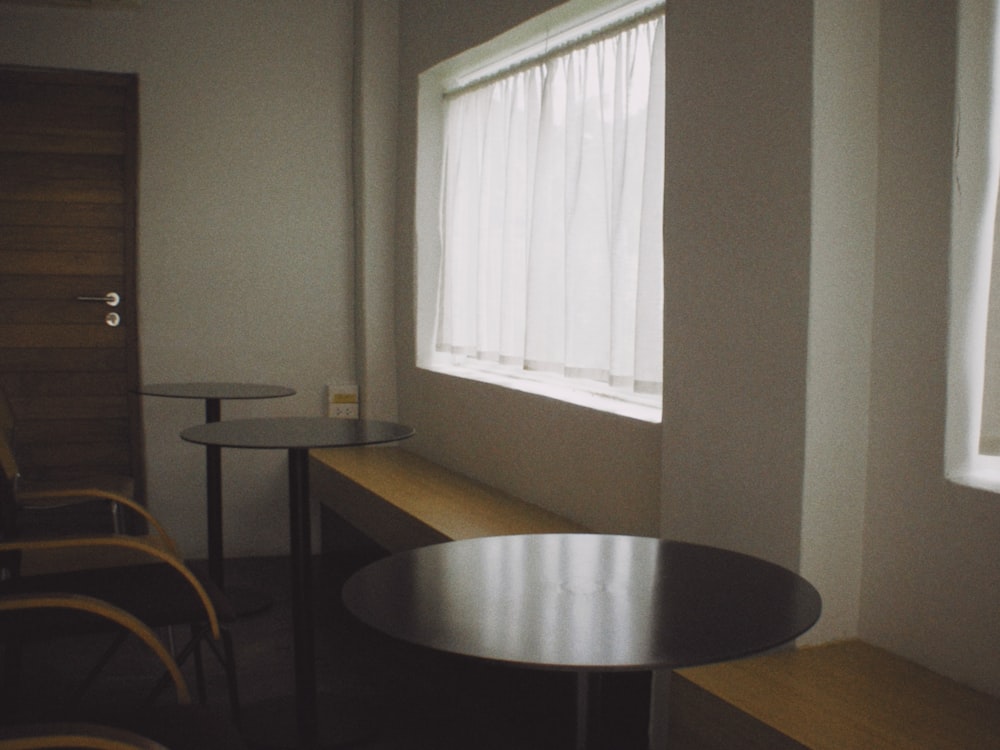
column 86, row 733
column 116, row 615
column 60, row 735
column 47, row 494
column 24, row 556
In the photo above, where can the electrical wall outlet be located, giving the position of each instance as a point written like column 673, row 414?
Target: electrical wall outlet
column 342, row 401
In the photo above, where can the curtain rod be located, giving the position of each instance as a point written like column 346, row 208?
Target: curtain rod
column 570, row 45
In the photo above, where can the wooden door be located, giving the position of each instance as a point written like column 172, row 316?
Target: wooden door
column 68, row 161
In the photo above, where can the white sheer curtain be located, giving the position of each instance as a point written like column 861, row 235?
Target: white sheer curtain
column 552, row 215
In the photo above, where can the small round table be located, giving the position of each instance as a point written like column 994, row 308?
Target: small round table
column 587, row 603
column 244, row 601
column 298, row 435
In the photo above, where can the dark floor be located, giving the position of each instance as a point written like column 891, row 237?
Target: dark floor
column 404, row 697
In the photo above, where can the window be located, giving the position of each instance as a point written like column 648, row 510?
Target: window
column 547, row 249
column 973, row 426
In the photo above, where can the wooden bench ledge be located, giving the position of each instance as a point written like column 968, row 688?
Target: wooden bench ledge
column 401, row 500
column 844, row 695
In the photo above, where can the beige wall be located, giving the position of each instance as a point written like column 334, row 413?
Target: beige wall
column 246, row 265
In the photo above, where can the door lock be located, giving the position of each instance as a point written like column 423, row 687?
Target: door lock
column 113, row 319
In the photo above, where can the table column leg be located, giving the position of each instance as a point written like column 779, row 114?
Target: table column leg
column 588, row 711
column 213, row 481
column 659, row 718
column 341, row 722
column 302, row 602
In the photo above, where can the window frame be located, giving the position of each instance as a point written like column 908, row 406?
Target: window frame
column 521, row 42
column 973, row 198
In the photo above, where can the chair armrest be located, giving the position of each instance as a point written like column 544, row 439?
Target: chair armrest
column 67, row 734
column 54, row 498
column 29, row 602
column 135, row 544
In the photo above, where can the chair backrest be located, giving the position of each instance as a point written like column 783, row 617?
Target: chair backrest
column 8, row 463
column 6, row 418
column 8, row 457
column 8, row 488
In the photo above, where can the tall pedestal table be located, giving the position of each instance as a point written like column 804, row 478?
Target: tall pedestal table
column 587, row 603
column 298, row 435
column 244, row 601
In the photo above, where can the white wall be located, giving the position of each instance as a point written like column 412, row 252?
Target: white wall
column 844, row 184
column 376, row 92
column 245, row 257
column 737, row 259
column 904, row 559
column 931, row 582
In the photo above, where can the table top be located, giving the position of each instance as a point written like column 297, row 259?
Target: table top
column 586, row 602
column 296, row 432
column 212, row 390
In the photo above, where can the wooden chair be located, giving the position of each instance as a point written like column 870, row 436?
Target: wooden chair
column 178, row 726
column 142, row 575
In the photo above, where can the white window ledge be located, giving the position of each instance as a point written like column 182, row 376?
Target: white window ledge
column 646, row 409
column 983, row 479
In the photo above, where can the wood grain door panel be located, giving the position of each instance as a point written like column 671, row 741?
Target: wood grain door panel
column 68, row 171
column 40, row 214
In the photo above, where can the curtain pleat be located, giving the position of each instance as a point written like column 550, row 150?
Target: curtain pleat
column 552, row 215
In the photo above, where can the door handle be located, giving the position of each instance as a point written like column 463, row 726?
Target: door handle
column 111, row 299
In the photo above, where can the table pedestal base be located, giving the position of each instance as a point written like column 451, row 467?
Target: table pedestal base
column 272, row 724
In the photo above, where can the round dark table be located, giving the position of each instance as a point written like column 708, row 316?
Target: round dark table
column 298, row 435
column 589, row 603
column 245, row 601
